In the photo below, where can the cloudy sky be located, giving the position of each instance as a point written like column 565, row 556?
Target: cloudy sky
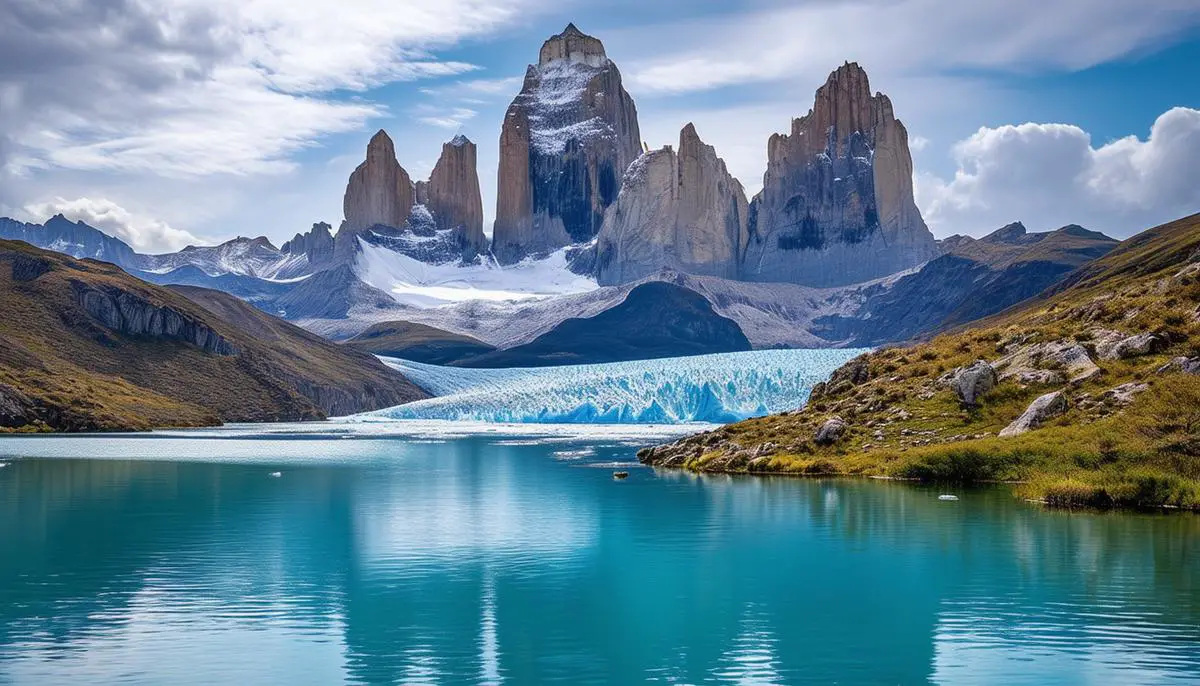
column 171, row 122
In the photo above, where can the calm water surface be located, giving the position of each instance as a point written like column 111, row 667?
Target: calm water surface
column 482, row 559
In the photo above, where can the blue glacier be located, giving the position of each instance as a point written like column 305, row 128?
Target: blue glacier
column 718, row 388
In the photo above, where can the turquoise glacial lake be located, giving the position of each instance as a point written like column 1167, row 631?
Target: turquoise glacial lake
column 369, row 554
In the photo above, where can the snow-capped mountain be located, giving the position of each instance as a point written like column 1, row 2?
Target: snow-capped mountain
column 567, row 139
column 243, row 256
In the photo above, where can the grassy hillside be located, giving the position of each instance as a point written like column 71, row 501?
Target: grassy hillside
column 974, row 279
column 85, row 346
column 1128, row 435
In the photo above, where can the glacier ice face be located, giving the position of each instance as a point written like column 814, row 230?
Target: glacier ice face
column 718, row 388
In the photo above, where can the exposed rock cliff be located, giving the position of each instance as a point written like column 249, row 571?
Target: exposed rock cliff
column 452, row 195
column 680, row 211
column 380, row 191
column 128, row 313
column 837, row 201
column 316, row 245
column 566, row 141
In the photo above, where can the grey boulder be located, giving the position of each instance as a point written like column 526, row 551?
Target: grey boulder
column 1043, row 408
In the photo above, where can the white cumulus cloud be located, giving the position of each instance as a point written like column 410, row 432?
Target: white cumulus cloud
column 1048, row 175
column 903, row 36
column 144, row 234
column 185, row 88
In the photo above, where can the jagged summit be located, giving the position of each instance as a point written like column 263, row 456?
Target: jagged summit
column 837, row 201
column 459, row 141
column 575, row 46
column 567, row 138
column 1009, row 233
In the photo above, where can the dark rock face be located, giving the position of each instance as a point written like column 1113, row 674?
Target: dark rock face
column 16, row 408
column 330, row 294
column 656, row 319
column 975, row 279
column 129, row 314
column 566, row 141
column 418, row 343
column 316, row 245
column 837, row 201
column 28, row 268
column 72, row 238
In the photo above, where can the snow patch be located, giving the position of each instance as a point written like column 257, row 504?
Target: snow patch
column 556, row 107
column 718, row 388
column 419, row 284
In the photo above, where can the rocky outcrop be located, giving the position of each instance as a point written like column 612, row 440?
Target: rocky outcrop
column 973, row 382
column 1044, row 408
column 132, row 315
column 16, row 408
column 1047, row 363
column 566, row 141
column 830, row 431
column 1185, row 365
column 380, row 193
column 1115, row 346
column 680, row 211
column 452, row 195
column 837, row 201
column 316, row 245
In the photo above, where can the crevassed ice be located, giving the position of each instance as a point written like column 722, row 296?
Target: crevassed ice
column 705, row 388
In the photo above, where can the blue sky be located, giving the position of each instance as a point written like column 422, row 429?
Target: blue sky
column 185, row 121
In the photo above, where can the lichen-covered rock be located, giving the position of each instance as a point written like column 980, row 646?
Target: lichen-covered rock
column 1186, row 365
column 830, row 432
column 1125, row 347
column 680, row 211
column 971, row 383
column 1125, row 393
column 1026, row 362
column 566, row 141
column 1043, row 408
column 837, row 201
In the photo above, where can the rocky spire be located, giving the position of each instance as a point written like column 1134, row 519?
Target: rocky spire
column 380, row 191
column 573, row 45
column 676, row 210
column 837, row 201
column 452, row 195
column 566, row 140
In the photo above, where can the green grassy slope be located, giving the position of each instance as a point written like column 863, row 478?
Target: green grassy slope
column 1136, row 446
column 69, row 365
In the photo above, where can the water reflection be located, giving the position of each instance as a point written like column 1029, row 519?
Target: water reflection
column 472, row 561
